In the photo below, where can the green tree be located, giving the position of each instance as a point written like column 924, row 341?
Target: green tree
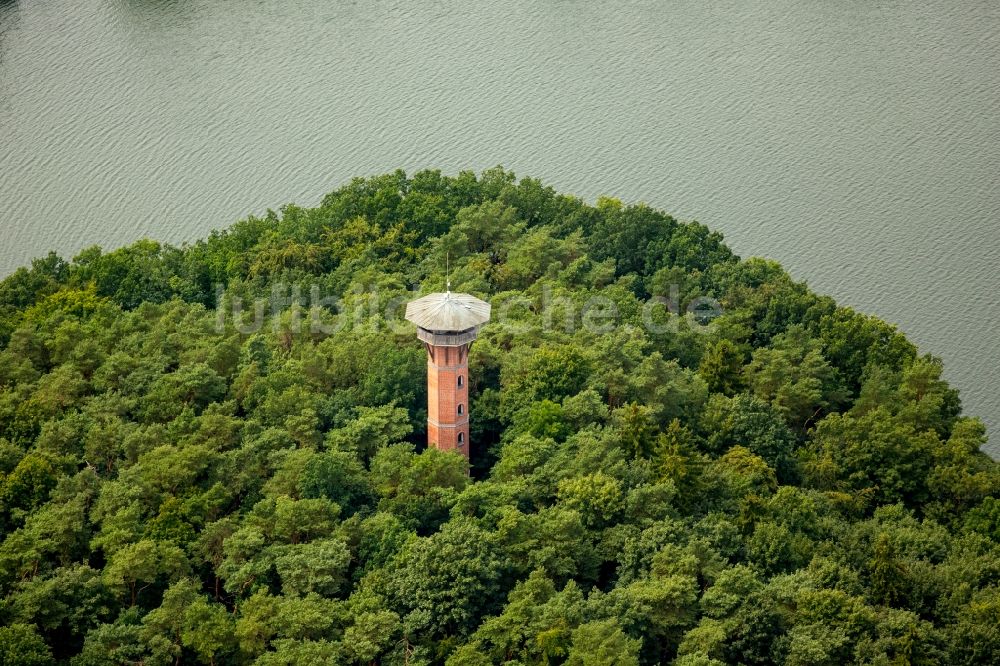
column 444, row 584
column 795, row 377
column 419, row 488
column 752, row 423
column 888, row 573
column 602, row 643
column 188, row 620
column 137, row 566
column 374, row 429
column 318, row 566
column 338, row 477
column 21, row 645
column 722, row 367
column 27, row 486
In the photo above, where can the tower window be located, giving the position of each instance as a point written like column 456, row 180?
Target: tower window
column 461, row 381
column 461, row 409
column 461, row 438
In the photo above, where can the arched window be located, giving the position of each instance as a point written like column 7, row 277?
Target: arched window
column 461, row 409
column 461, row 381
column 461, row 438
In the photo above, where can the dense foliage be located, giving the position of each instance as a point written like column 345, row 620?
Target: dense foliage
column 789, row 483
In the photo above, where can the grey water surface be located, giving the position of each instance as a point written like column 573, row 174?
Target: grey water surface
column 855, row 141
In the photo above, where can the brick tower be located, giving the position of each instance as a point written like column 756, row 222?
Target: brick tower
column 447, row 324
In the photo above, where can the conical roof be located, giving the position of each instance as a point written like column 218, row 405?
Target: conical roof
column 448, row 311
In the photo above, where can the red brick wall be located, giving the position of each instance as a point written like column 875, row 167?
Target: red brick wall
column 444, row 395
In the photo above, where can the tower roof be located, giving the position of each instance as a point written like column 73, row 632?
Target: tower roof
column 447, row 311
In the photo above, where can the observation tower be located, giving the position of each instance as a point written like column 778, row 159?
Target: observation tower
column 448, row 323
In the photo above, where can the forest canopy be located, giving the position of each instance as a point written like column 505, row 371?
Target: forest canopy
column 783, row 481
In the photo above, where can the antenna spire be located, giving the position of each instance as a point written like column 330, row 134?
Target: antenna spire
column 447, row 269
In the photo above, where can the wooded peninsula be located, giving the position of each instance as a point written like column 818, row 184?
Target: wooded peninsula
column 775, row 480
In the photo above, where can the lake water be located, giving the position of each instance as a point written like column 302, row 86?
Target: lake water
column 857, row 142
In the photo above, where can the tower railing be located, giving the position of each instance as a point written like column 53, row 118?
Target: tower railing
column 447, row 339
